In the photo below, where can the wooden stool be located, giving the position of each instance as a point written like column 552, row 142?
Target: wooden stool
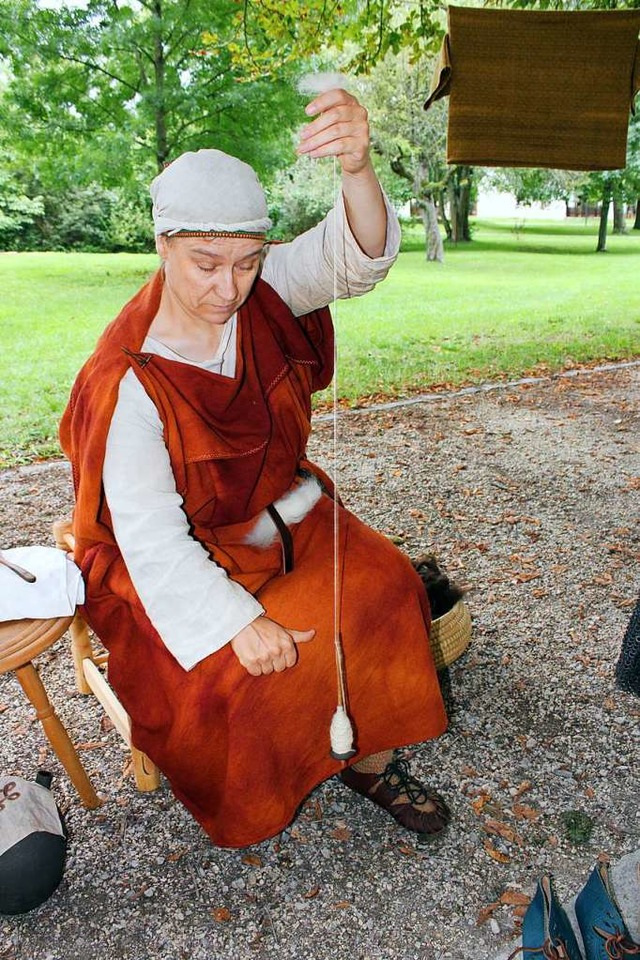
column 20, row 642
column 91, row 679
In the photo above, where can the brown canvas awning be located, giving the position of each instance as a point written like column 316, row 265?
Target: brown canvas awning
column 530, row 88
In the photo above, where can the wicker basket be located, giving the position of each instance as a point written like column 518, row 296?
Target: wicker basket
column 450, row 635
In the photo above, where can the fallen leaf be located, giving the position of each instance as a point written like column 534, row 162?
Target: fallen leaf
column 479, row 803
column 629, row 602
column 177, row 854
column 127, row 768
column 520, row 911
column 341, row 833
column 503, row 830
column 526, row 577
column 252, row 860
column 107, row 724
column 310, row 894
column 3, row 707
column 467, row 771
column 221, row 914
column 407, row 850
column 524, row 786
column 90, row 745
column 341, row 905
column 514, row 897
column 524, row 812
column 494, row 853
column 603, row 579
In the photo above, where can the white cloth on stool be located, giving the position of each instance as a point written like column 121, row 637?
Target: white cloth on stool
column 58, row 589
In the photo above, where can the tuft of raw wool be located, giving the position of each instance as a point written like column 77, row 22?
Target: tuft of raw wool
column 315, row 83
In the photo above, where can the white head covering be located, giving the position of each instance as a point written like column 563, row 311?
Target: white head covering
column 209, row 192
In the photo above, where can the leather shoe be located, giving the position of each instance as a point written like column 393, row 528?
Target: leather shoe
column 546, row 931
column 604, row 932
column 412, row 805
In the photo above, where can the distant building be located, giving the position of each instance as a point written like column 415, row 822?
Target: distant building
column 492, row 204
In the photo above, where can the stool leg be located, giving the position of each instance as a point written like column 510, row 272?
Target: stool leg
column 81, row 649
column 56, row 733
column 147, row 775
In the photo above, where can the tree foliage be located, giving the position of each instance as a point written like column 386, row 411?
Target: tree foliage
column 98, row 98
column 279, row 33
column 133, row 80
column 17, row 211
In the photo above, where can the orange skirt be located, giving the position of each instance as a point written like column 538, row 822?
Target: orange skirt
column 243, row 752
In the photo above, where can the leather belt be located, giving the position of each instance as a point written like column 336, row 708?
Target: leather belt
column 285, row 537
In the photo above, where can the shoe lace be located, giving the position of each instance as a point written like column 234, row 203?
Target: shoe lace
column 618, row 945
column 551, row 950
column 396, row 775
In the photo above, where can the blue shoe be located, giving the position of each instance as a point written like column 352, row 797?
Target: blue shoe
column 546, row 931
column 603, row 930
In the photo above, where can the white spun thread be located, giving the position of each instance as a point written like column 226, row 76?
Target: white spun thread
column 341, row 731
column 341, row 734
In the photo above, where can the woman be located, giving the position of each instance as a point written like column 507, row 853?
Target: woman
column 204, row 534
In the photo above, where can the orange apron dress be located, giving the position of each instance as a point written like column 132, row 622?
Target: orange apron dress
column 242, row 752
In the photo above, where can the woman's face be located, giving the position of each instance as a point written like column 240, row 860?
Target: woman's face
column 210, row 277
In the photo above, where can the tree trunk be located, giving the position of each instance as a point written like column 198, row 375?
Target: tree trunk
column 162, row 148
column 443, row 214
column 465, row 202
column 459, row 203
column 604, row 217
column 619, row 225
column 435, row 249
column 636, row 222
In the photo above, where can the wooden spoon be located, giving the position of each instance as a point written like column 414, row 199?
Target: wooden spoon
column 29, row 577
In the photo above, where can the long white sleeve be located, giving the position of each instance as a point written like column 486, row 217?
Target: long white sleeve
column 189, row 599
column 302, row 271
column 191, row 602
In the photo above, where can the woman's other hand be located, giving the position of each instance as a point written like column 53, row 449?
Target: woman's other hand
column 341, row 130
column 265, row 647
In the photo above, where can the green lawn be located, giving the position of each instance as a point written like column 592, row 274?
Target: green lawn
column 501, row 306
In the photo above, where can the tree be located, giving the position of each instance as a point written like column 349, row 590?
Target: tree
column 536, row 184
column 616, row 186
column 409, row 141
column 17, row 211
column 413, row 141
column 277, row 33
column 300, row 196
column 133, row 83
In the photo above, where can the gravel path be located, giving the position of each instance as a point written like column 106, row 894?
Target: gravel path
column 529, row 495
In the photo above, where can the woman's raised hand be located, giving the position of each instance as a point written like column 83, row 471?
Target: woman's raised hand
column 265, row 647
column 341, row 130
